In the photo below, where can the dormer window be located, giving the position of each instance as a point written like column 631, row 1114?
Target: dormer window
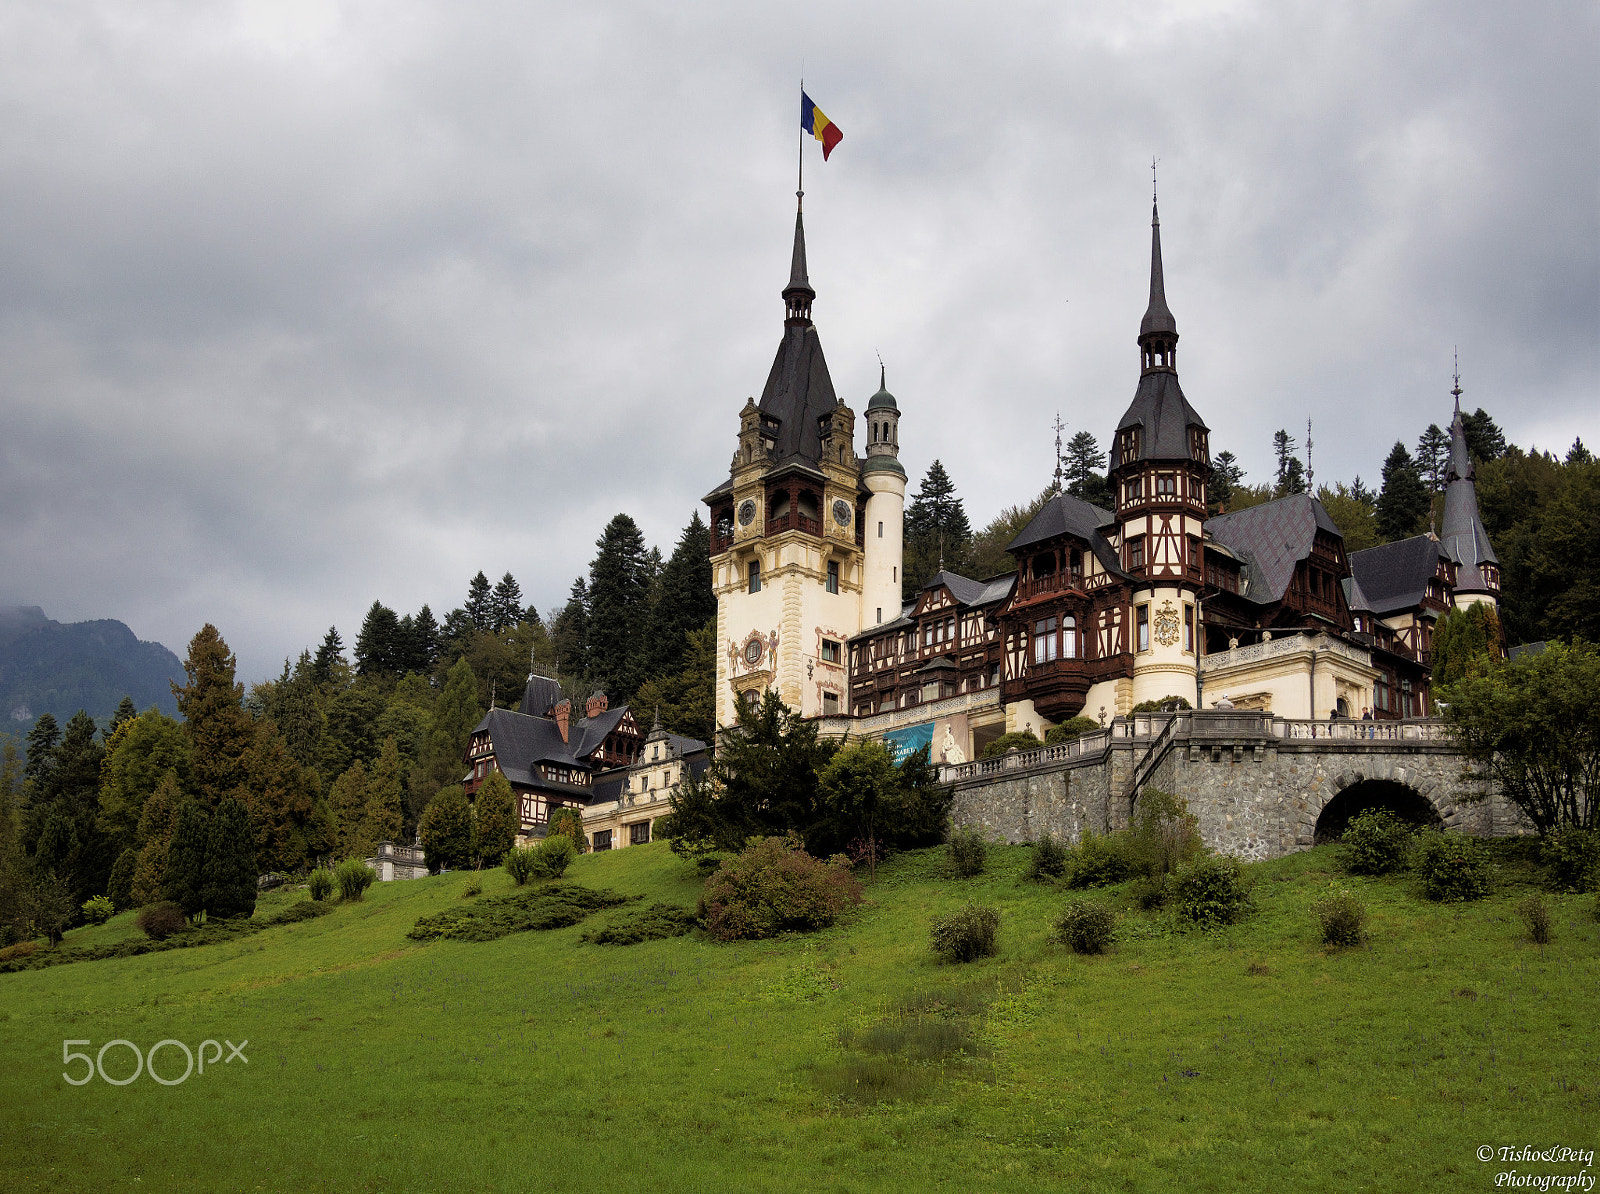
column 1128, row 450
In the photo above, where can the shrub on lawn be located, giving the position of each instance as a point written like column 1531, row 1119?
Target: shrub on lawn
column 474, row 887
column 1149, row 892
column 1572, row 856
column 555, row 855
column 1453, row 867
column 1210, row 890
column 160, row 921
column 1343, row 918
column 1049, row 860
column 521, row 864
column 655, row 923
column 775, row 885
column 1536, row 917
column 966, row 934
column 1376, row 842
column 353, row 877
column 98, row 909
column 568, row 823
column 968, row 852
column 320, row 884
column 1098, row 860
column 1162, row 836
column 1087, row 927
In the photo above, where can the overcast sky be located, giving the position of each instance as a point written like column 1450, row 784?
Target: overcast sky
column 304, row 304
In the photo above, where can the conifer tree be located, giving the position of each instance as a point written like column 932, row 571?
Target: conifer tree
column 1485, row 442
column 1433, row 455
column 1403, row 502
column 1283, row 446
column 42, row 741
column 155, row 838
column 297, row 711
column 228, row 874
column 330, row 658
column 446, row 829
column 347, row 801
column 280, row 799
column 686, row 699
column 183, row 881
column 569, row 632
column 126, row 712
column 214, row 718
column 384, row 815
column 618, row 608
column 455, row 715
column 120, row 886
column 425, row 641
column 494, row 819
column 937, row 532
column 480, row 602
column 378, row 645
column 684, row 600
column 1085, row 470
column 505, row 603
column 1226, row 476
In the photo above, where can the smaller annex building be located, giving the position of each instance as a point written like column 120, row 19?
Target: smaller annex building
column 618, row 779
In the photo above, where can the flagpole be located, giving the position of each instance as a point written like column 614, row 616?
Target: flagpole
column 800, row 184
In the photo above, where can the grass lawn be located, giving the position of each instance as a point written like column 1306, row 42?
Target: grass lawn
column 1252, row 1058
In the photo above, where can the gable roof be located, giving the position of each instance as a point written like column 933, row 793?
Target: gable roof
column 1068, row 515
column 1395, row 576
column 1272, row 537
column 520, row 741
column 590, row 732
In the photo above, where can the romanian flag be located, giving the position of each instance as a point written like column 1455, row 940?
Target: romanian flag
column 819, row 126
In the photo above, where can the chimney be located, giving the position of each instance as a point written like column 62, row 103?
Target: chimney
column 597, row 705
column 563, row 712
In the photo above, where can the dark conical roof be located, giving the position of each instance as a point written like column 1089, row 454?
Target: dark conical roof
column 798, row 279
column 1463, row 537
column 1165, row 414
column 799, row 391
column 1157, row 318
column 882, row 400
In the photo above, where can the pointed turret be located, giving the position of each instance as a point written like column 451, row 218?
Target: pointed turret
column 798, row 295
column 1158, row 331
column 1464, row 538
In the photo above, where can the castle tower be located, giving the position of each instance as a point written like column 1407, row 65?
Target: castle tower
column 885, row 477
column 788, row 540
column 1464, row 539
column 1161, row 459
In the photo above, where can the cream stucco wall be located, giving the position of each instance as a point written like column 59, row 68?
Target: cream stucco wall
column 1166, row 667
column 880, row 592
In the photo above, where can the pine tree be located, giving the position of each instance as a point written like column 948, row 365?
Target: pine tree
column 384, row 816
column 1403, row 502
column 281, row 798
column 1485, row 441
column 330, row 662
column 1361, row 493
column 937, row 532
column 569, row 632
column 42, row 741
column 120, row 886
column 455, row 715
column 686, row 698
column 183, row 881
column 378, row 644
column 126, row 712
column 1433, row 455
column 425, row 641
column 347, row 801
column 1294, row 478
column 618, row 608
column 505, row 604
column 228, row 875
column 684, row 600
column 1283, row 446
column 446, row 829
column 214, row 718
column 155, row 838
column 480, row 602
column 1085, row 470
column 494, row 819
column 1226, row 476
column 297, row 712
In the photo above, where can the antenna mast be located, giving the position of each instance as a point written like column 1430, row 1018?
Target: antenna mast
column 1059, row 426
column 1309, row 474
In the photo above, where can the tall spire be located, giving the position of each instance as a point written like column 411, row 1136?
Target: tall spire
column 797, row 295
column 1158, row 331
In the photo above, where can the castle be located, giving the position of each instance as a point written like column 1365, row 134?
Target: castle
column 1261, row 610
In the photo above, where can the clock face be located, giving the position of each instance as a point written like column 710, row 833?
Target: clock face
column 841, row 512
column 752, row 652
column 747, row 512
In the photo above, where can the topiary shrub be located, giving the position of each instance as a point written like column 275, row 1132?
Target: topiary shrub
column 966, row 934
column 1342, row 918
column 353, row 877
column 1376, row 842
column 554, row 855
column 1209, row 891
column 1087, row 927
column 1536, row 917
column 160, row 921
column 1049, row 860
column 1072, row 728
column 1572, row 858
column 320, row 884
column 774, row 885
column 521, row 863
column 1163, row 705
column 968, row 853
column 1018, row 739
column 1098, row 860
column 98, row 909
column 1453, row 867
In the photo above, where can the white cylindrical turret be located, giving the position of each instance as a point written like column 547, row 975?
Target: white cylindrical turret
column 885, row 478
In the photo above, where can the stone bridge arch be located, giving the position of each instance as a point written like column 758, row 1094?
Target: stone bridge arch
column 1431, row 791
column 1366, row 795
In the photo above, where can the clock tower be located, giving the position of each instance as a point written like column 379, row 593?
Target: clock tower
column 795, row 564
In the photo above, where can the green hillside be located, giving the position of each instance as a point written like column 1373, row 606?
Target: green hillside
column 1248, row 1059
